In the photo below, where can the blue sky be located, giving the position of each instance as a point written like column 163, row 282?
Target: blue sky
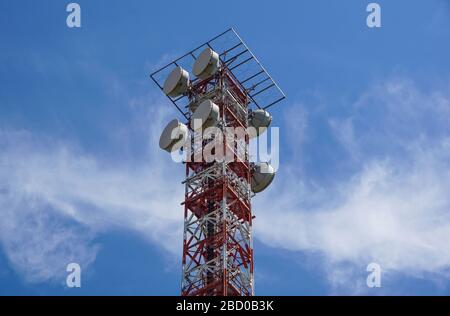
column 365, row 145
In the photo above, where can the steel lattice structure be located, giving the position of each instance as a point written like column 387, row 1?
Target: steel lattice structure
column 217, row 240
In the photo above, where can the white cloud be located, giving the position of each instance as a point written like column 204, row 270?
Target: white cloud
column 55, row 198
column 39, row 244
column 395, row 210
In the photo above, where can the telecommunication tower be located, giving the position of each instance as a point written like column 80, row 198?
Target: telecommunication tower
column 231, row 89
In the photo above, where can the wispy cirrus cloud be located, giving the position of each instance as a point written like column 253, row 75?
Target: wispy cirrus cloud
column 55, row 198
column 394, row 210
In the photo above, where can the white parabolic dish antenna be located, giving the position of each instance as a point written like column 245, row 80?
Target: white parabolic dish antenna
column 262, row 176
column 206, row 64
column 206, row 115
column 177, row 82
column 260, row 120
column 174, row 136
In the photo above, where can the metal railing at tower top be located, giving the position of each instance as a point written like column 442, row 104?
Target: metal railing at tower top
column 263, row 92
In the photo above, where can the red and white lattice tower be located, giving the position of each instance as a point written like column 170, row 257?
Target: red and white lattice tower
column 217, row 247
column 217, row 239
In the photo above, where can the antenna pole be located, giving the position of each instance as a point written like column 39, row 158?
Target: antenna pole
column 217, row 248
column 217, row 238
